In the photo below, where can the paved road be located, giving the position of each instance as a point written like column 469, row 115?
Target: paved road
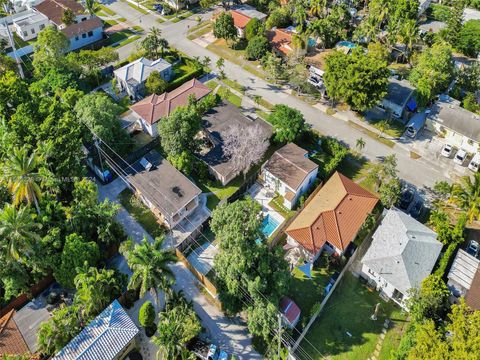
column 420, row 173
column 233, row 336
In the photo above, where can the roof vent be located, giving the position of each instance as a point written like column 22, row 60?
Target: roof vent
column 177, row 191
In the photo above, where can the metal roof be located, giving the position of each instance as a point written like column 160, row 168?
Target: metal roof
column 463, row 269
column 104, row 338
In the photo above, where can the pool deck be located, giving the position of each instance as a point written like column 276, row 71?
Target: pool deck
column 263, row 196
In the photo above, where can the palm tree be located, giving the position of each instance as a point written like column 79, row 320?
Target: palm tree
column 409, row 36
column 91, row 6
column 21, row 174
column 150, row 266
column 466, row 195
column 18, row 227
column 162, row 44
column 360, row 144
column 317, row 7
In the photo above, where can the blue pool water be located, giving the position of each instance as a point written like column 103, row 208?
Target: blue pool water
column 347, row 44
column 269, row 225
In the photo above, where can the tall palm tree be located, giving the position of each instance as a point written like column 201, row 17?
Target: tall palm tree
column 150, row 266
column 409, row 36
column 18, row 228
column 91, row 6
column 360, row 144
column 466, row 195
column 21, row 176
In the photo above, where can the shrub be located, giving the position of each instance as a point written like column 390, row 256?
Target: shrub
column 184, row 78
column 337, row 152
column 257, row 48
column 254, row 28
column 146, row 317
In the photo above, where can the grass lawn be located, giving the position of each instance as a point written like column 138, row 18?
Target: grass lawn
column 137, row 28
column 219, row 192
column 124, row 103
column 119, row 36
column 234, row 85
column 110, row 22
column 141, row 213
column 221, row 48
column 19, row 43
column 139, row 9
column 226, row 94
column 201, row 31
column 262, row 114
column 277, row 204
column 212, row 84
column 127, row 41
column 349, row 310
column 393, row 128
column 107, row 10
column 358, row 172
column 372, row 134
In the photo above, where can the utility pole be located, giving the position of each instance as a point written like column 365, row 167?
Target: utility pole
column 12, row 44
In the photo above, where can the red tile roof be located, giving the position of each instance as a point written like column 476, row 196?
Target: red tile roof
column 82, row 27
column 11, row 340
column 154, row 107
column 334, row 215
column 54, row 9
column 240, row 20
column 290, row 310
column 281, row 40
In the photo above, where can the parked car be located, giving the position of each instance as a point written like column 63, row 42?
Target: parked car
column 416, row 209
column 315, row 81
column 447, row 150
column 473, row 248
column 212, row 352
column 475, row 163
column 406, row 199
column 460, row 157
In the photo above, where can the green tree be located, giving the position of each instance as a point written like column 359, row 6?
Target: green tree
column 469, row 38
column 153, row 42
column 96, row 289
column 390, row 192
column 54, row 334
column 68, row 17
column 470, row 103
column 22, row 176
column 155, row 84
column 76, row 253
column 360, row 144
column 18, row 231
column 454, row 22
column 430, row 302
column 252, row 266
column 318, row 8
column 433, row 72
column 7, row 64
column 99, row 114
column 254, row 28
column 279, row 17
column 49, row 50
column 221, row 67
column 183, row 161
column 466, row 195
column 224, row 28
column 359, row 79
column 176, row 326
column 409, row 35
column 288, row 123
column 150, row 265
column 378, row 50
column 146, row 315
column 91, row 6
column 89, row 63
column 257, row 47
column 331, row 28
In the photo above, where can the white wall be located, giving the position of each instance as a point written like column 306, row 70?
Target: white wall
column 453, row 138
column 30, row 31
column 382, row 285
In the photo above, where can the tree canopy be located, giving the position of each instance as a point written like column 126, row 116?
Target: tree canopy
column 224, row 28
column 288, row 123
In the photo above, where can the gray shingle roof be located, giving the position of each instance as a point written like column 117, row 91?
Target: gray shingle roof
column 403, row 251
column 104, row 338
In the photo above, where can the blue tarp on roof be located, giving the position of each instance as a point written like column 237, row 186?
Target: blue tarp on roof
column 306, row 269
column 412, row 104
column 104, row 338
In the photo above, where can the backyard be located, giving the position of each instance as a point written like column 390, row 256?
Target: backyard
column 344, row 329
column 141, row 213
column 217, row 191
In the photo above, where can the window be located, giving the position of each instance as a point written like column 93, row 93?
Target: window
column 371, row 272
column 90, row 33
column 33, row 31
column 42, row 26
column 84, row 35
column 25, row 33
column 76, row 38
column 83, row 19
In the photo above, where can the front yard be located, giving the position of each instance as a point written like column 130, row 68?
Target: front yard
column 344, row 329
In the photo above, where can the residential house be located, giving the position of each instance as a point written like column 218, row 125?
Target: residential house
column 281, row 40
column 464, row 278
column 169, row 194
column 11, row 339
column 242, row 14
column 150, row 110
column 399, row 98
column 131, row 77
column 290, row 312
column 315, row 60
column 458, row 126
column 29, row 318
column 110, row 336
column 402, row 254
column 216, row 123
column 27, row 27
column 332, row 218
column 290, row 173
column 86, row 29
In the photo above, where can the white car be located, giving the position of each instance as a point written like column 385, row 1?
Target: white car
column 447, row 150
column 460, row 157
column 315, row 81
column 475, row 163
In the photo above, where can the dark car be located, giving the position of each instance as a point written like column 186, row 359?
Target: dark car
column 416, row 209
column 406, row 199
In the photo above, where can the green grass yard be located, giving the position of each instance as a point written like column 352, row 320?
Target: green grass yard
column 372, row 134
column 348, row 311
column 106, row 10
column 139, row 9
column 141, row 213
column 277, row 204
column 225, row 93
column 218, row 191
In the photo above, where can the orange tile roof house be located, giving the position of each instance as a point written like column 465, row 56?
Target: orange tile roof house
column 281, row 40
column 242, row 14
column 154, row 107
column 289, row 172
column 332, row 218
column 11, row 339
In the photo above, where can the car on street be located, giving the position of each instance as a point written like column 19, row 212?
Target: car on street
column 447, row 150
column 416, row 209
column 475, row 163
column 406, row 199
column 473, row 248
column 460, row 157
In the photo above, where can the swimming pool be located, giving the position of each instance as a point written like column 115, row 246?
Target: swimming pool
column 269, row 225
column 347, row 44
